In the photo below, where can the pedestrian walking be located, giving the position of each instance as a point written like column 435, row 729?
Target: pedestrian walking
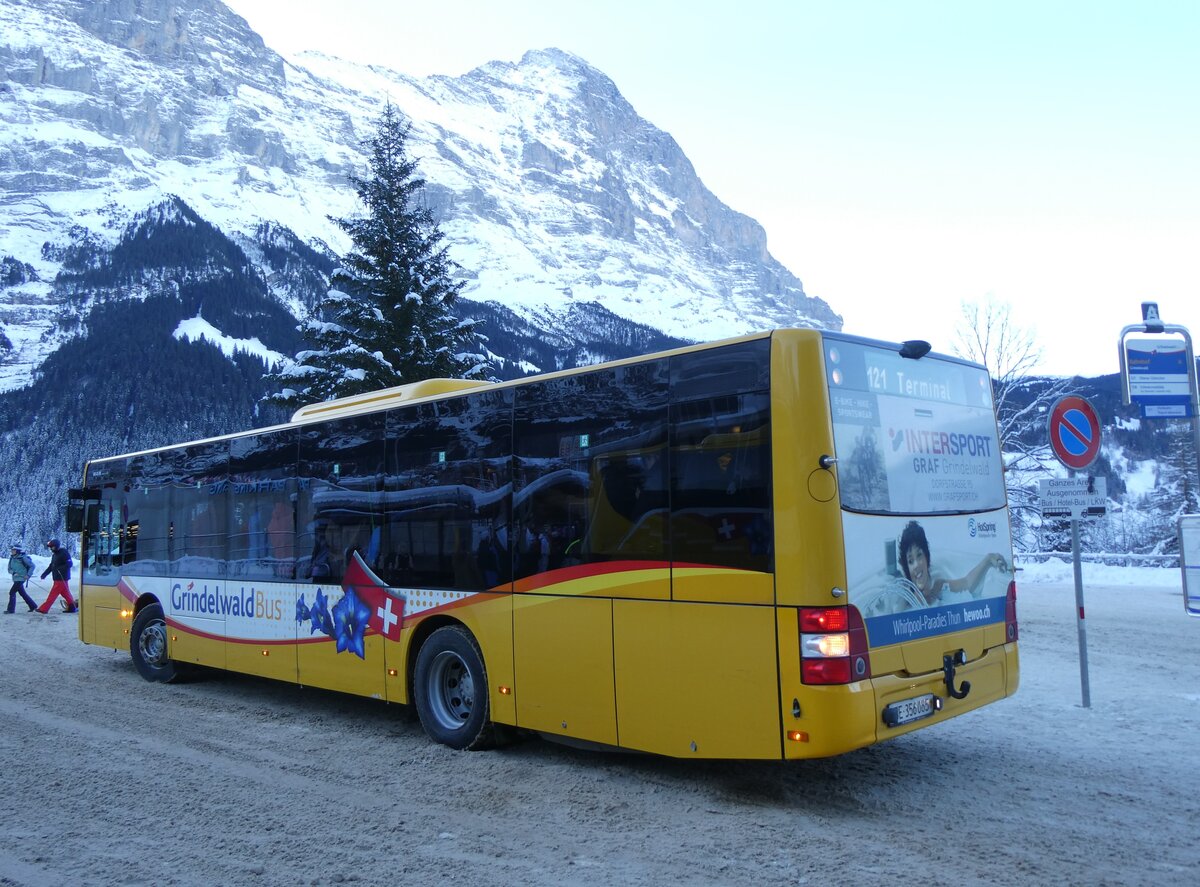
column 60, row 571
column 20, row 567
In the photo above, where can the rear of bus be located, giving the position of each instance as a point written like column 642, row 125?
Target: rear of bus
column 905, row 604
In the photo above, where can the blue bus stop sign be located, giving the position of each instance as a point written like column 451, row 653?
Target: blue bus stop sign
column 1158, row 378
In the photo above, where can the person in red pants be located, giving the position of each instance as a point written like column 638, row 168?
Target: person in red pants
column 60, row 571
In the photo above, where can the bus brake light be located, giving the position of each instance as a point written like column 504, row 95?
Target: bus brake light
column 814, row 619
column 1010, row 613
column 833, row 645
column 825, row 671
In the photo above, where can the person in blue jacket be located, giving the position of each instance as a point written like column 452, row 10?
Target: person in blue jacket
column 20, row 567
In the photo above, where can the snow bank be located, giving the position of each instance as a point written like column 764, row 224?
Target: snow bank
column 1056, row 571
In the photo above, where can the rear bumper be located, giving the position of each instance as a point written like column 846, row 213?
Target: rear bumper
column 838, row 719
column 992, row 677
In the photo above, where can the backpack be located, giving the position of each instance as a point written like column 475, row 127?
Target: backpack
column 27, row 561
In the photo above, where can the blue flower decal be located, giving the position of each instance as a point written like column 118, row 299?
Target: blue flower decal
column 320, row 615
column 350, row 617
column 347, row 624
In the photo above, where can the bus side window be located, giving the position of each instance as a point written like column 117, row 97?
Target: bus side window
column 446, row 493
column 720, row 482
column 340, row 495
column 261, row 528
column 148, row 530
column 102, row 555
column 552, row 444
column 200, row 483
column 588, row 448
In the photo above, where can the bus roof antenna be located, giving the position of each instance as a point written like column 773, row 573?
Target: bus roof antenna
column 914, row 349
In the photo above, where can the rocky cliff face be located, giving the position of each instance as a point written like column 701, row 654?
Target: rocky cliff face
column 553, row 192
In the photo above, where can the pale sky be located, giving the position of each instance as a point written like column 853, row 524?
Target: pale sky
column 902, row 157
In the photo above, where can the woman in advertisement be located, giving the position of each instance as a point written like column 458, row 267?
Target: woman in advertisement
column 917, row 565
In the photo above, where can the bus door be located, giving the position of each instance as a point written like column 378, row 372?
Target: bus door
column 96, row 512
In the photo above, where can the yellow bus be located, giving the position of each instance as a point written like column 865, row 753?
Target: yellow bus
column 785, row 545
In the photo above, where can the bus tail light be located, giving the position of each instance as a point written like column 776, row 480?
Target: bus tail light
column 833, row 645
column 1010, row 613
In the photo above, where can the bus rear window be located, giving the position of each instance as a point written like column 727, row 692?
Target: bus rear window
column 912, row 436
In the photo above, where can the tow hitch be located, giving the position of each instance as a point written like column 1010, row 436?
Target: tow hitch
column 948, row 662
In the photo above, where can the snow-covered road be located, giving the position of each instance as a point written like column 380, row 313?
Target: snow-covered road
column 107, row 779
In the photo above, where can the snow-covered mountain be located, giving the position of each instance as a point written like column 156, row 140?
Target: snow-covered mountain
column 556, row 198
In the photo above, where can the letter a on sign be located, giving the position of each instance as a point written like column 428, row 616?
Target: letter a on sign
column 1074, row 432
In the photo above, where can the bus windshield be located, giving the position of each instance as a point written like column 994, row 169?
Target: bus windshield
column 912, row 436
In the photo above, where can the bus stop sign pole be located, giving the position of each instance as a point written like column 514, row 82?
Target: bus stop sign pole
column 1085, row 687
column 1075, row 439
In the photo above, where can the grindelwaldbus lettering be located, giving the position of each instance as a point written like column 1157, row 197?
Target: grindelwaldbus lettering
column 249, row 602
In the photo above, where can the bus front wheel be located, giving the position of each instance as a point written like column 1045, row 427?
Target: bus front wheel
column 148, row 645
column 451, row 690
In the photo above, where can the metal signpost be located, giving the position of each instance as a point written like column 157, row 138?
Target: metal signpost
column 1075, row 439
column 1159, row 375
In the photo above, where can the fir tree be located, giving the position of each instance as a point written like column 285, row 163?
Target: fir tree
column 388, row 318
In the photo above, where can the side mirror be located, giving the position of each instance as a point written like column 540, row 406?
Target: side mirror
column 78, row 515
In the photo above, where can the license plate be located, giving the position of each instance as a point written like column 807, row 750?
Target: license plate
column 909, row 710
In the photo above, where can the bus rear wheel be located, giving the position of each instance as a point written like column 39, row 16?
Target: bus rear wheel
column 451, row 690
column 148, row 645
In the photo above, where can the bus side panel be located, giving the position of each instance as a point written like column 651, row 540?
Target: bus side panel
column 196, row 635
column 490, row 619
column 725, row 586
column 201, row 642
column 100, row 620
column 271, row 651
column 809, row 549
column 832, row 719
column 563, row 651
column 319, row 664
column 697, row 680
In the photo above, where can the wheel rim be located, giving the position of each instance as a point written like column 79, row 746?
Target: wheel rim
column 450, row 690
column 152, row 644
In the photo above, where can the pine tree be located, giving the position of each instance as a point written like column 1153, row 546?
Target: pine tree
column 388, row 318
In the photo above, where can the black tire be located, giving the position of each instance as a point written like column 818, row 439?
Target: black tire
column 451, row 690
column 148, row 646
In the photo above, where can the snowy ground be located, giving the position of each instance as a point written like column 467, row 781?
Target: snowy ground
column 107, row 779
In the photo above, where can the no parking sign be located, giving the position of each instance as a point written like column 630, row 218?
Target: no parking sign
column 1075, row 439
column 1074, row 432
